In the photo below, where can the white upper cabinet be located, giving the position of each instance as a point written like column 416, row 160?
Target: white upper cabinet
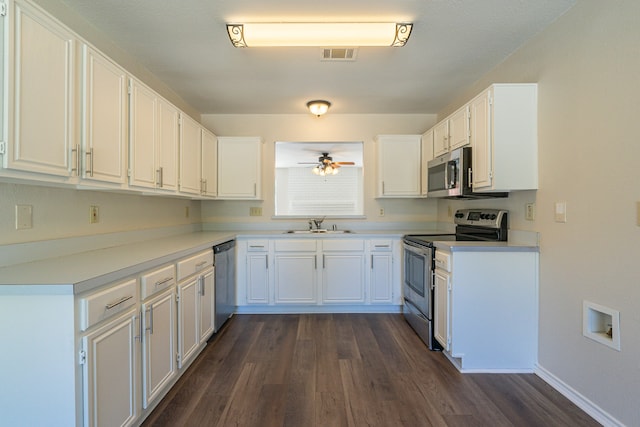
column 153, row 139
column 459, row 128
column 427, row 155
column 168, row 146
column 209, row 164
column 104, row 140
column 190, row 155
column 41, row 87
column 441, row 138
column 143, row 126
column 504, row 138
column 399, row 165
column 239, row 167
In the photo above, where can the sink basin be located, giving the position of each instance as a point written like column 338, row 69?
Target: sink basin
column 320, row 231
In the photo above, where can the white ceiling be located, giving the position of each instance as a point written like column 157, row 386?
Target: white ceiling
column 185, row 44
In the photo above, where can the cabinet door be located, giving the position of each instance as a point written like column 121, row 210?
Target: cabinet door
column 109, row 372
column 258, row 278
column 209, row 164
column 441, row 138
column 427, row 155
column 442, row 304
column 481, row 140
column 159, row 345
column 143, row 136
column 41, row 86
column 105, row 119
column 343, row 278
column 188, row 331
column 168, row 145
column 381, row 278
column 207, row 305
column 459, row 128
column 190, row 156
column 399, row 165
column 296, row 278
column 239, row 167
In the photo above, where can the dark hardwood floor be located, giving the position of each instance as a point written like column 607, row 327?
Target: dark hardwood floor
column 347, row 370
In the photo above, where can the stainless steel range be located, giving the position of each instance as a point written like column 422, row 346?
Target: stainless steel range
column 419, row 263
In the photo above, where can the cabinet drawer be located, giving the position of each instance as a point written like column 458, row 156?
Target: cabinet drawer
column 381, row 245
column 343, row 245
column 104, row 304
column 195, row 263
column 257, row 245
column 443, row 260
column 157, row 280
column 296, row 245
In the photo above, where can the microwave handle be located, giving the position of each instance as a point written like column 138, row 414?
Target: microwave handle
column 469, row 182
column 446, row 176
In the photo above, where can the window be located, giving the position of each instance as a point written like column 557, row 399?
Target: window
column 301, row 192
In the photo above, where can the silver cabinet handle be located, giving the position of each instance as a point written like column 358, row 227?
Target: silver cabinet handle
column 150, row 328
column 372, row 261
column 381, row 246
column 256, row 246
column 90, row 155
column 255, row 189
column 200, row 264
column 323, row 262
column 266, row 261
column 76, row 160
column 315, row 262
column 160, row 177
column 117, row 303
column 139, row 328
column 202, row 286
column 163, row 281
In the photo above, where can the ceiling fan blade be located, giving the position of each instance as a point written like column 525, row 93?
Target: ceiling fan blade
column 307, row 163
column 345, row 163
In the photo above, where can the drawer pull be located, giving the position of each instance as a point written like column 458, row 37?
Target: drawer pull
column 257, row 246
column 200, row 264
column 163, row 281
column 117, row 303
column 381, row 246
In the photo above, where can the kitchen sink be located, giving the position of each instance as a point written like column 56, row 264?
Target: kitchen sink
column 318, row 231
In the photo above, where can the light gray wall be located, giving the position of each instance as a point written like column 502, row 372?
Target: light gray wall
column 306, row 127
column 587, row 65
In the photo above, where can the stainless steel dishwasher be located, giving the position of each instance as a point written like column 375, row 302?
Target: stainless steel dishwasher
column 224, row 261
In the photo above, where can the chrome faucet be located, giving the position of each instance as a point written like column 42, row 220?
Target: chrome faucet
column 318, row 222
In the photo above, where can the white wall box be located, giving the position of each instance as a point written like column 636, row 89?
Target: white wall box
column 504, row 137
column 601, row 324
column 239, row 168
column 40, row 64
column 105, row 123
column 399, row 162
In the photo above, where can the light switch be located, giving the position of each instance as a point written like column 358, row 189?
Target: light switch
column 561, row 212
column 24, row 217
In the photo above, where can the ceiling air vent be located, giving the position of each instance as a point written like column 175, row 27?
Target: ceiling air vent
column 339, row 54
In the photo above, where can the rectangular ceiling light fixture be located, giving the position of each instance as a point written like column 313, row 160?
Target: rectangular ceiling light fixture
column 320, row 34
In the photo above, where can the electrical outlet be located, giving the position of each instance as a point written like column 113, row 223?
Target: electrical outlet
column 24, row 217
column 530, row 211
column 381, row 212
column 94, row 214
column 561, row 212
column 255, row 211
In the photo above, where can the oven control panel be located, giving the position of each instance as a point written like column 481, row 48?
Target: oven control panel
column 492, row 218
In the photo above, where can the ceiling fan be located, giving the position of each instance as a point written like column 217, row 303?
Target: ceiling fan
column 326, row 165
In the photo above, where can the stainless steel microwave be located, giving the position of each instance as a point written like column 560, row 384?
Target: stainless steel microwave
column 450, row 176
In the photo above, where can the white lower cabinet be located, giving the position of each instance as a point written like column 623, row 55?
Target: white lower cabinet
column 110, row 372
column 381, row 271
column 188, row 336
column 317, row 272
column 442, row 298
column 477, row 291
column 158, row 344
column 343, row 271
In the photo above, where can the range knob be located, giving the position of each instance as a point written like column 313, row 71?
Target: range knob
column 459, row 215
column 494, row 216
column 483, row 216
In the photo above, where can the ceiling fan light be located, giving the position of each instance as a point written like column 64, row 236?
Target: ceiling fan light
column 319, row 34
column 318, row 107
column 335, row 171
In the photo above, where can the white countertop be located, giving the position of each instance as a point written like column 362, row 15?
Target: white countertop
column 485, row 246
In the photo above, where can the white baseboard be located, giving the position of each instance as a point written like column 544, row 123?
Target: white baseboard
column 305, row 309
column 581, row 401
